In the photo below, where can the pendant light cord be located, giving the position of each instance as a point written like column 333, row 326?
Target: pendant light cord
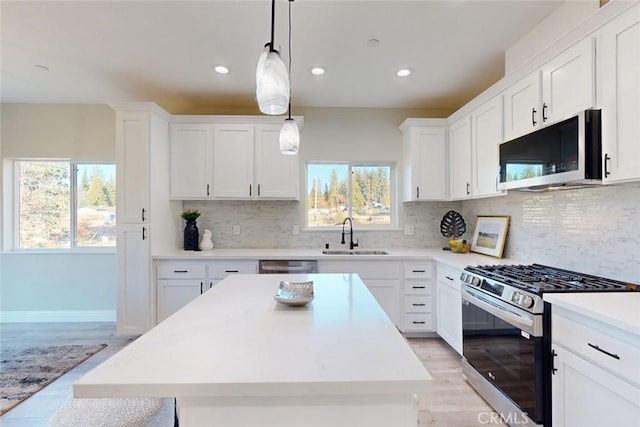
column 290, row 1
column 273, row 24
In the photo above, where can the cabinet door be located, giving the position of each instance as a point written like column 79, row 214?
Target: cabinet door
column 233, row 161
column 277, row 174
column 611, row 400
column 190, row 160
column 135, row 297
column 568, row 82
column 621, row 97
column 132, row 166
column 449, row 315
column 460, row 161
column 175, row 294
column 522, row 106
column 424, row 158
column 486, row 137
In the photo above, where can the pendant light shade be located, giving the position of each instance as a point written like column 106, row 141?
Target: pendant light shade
column 289, row 137
column 272, row 77
column 272, row 83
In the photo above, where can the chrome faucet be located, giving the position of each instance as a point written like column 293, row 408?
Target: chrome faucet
column 351, row 244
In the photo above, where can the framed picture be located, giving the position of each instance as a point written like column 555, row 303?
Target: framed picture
column 489, row 235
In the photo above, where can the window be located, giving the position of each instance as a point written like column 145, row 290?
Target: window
column 63, row 204
column 366, row 197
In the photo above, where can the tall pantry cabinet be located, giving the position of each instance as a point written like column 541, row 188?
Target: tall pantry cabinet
column 147, row 221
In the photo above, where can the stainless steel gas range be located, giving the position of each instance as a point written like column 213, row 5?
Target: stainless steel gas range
column 506, row 334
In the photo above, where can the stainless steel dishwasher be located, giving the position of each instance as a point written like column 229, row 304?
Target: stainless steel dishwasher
column 281, row 266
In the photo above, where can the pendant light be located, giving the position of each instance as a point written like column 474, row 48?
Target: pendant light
column 272, row 79
column 289, row 133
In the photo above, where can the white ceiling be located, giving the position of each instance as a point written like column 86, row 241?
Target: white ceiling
column 163, row 51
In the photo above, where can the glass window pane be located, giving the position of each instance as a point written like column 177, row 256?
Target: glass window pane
column 44, row 204
column 327, row 188
column 96, row 199
column 370, row 195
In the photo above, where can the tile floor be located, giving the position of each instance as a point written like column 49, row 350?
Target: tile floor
column 450, row 403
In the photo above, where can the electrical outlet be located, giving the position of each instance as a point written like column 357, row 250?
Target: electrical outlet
column 296, row 230
column 236, row 230
column 408, row 230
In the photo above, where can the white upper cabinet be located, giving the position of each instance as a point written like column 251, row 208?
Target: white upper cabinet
column 191, row 160
column 621, row 97
column 233, row 161
column 460, row 159
column 486, row 136
column 277, row 174
column 563, row 86
column 522, row 106
column 132, row 164
column 424, row 161
column 248, row 164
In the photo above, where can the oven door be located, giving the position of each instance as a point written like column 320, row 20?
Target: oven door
column 505, row 346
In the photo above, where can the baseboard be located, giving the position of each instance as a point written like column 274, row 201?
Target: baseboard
column 58, row 316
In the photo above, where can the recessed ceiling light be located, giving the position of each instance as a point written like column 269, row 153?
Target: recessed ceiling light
column 317, row 71
column 42, row 67
column 220, row 69
column 403, row 73
column 373, row 42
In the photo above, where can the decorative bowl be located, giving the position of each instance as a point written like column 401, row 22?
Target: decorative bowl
column 295, row 293
column 460, row 248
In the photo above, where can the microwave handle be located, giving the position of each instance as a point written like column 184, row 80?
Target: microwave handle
column 504, row 315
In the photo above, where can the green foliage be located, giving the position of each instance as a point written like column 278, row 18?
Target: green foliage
column 190, row 214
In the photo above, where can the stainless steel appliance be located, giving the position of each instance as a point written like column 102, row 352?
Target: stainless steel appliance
column 506, row 334
column 564, row 155
column 281, row 266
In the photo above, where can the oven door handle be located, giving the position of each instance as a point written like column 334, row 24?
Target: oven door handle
column 504, row 315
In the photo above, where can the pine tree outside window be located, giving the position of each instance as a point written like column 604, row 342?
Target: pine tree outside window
column 364, row 192
column 63, row 204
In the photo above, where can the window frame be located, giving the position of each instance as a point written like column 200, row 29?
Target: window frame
column 393, row 184
column 73, row 206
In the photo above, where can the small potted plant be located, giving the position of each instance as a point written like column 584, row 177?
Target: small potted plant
column 191, row 235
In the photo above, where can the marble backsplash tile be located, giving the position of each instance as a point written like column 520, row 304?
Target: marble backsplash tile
column 592, row 230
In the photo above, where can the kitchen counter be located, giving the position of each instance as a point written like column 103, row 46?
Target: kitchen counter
column 620, row 310
column 436, row 254
column 236, row 355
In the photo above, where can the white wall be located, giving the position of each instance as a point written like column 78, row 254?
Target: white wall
column 38, row 284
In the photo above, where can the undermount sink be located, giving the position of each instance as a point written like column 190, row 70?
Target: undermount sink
column 359, row 252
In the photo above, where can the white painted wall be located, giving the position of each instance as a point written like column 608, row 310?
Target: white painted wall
column 562, row 20
column 63, row 282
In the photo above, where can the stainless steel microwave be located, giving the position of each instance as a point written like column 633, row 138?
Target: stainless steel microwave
column 566, row 154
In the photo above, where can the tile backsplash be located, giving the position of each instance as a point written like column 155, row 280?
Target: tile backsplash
column 591, row 230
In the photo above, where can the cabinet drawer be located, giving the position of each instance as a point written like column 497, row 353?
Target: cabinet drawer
column 180, row 270
column 365, row 269
column 224, row 268
column 417, row 287
column 418, row 304
column 418, row 322
column 598, row 345
column 448, row 275
column 418, row 270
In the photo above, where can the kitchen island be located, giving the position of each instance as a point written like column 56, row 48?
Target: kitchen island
column 236, row 357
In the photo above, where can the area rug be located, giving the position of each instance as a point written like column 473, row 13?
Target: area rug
column 26, row 370
column 130, row 412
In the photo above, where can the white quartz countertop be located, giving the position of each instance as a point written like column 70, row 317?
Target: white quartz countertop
column 618, row 309
column 437, row 254
column 236, row 340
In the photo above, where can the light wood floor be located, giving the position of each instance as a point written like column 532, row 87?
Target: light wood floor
column 451, row 402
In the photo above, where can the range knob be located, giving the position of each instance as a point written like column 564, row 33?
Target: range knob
column 526, row 301
column 464, row 277
column 475, row 281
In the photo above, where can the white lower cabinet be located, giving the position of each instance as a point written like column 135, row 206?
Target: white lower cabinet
column 135, row 315
column 381, row 278
column 418, row 297
column 596, row 380
column 178, row 282
column 449, row 306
